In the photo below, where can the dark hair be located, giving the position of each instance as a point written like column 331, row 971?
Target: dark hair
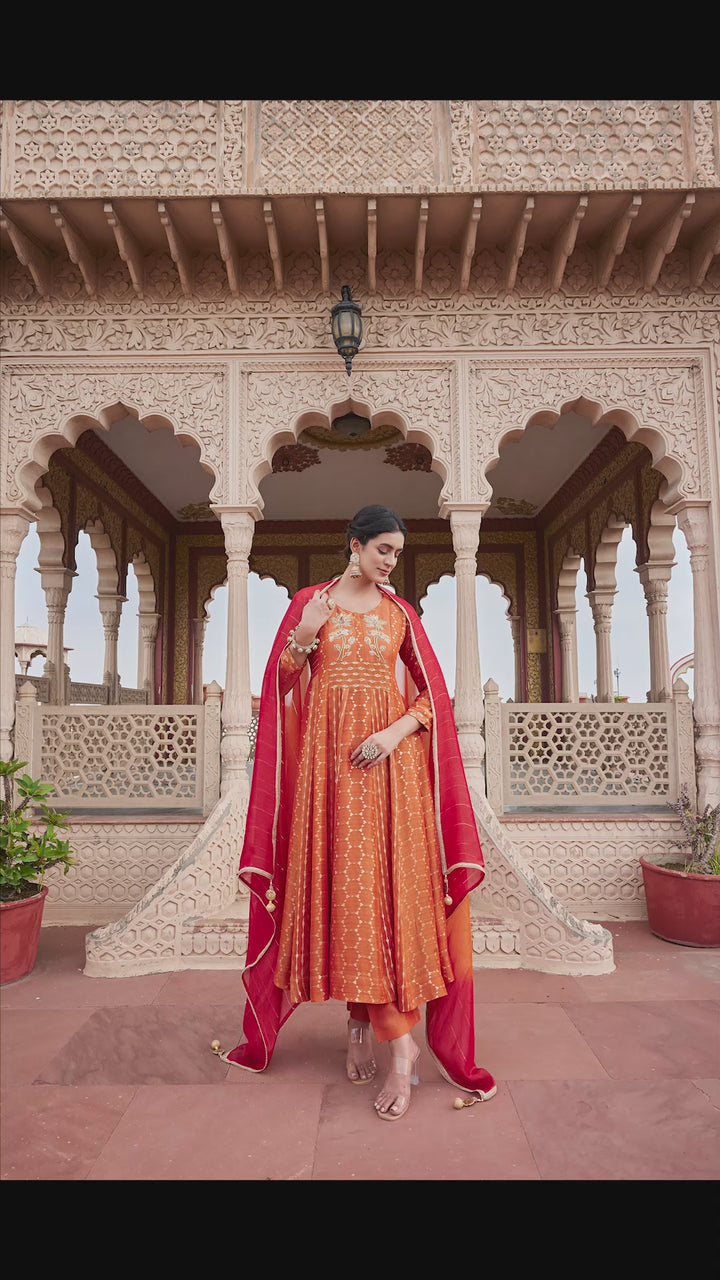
column 370, row 522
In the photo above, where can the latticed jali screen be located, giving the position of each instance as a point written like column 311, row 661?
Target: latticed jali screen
column 594, row 754
column 145, row 758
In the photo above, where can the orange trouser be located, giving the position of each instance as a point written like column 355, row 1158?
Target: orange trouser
column 387, row 1020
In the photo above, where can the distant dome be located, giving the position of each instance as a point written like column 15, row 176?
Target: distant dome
column 27, row 634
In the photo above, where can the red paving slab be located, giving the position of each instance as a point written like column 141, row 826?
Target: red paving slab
column 655, row 1040
column 614, row 1077
column 202, row 1133
column 30, row 1041
column 532, row 1042
column 141, row 1044
column 611, row 1130
column 57, row 1133
column 431, row 1142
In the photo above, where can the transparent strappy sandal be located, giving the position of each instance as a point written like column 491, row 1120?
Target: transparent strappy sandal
column 401, row 1067
column 360, row 1034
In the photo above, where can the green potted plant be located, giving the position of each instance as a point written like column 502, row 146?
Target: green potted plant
column 30, row 842
column 683, row 894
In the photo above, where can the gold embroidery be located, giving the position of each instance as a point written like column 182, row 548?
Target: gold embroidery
column 342, row 630
column 378, row 632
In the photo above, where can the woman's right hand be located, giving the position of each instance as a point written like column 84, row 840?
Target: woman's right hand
column 314, row 616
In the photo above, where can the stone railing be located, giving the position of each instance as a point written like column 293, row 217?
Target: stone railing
column 41, row 685
column 570, row 755
column 83, row 693
column 113, row 759
column 109, row 149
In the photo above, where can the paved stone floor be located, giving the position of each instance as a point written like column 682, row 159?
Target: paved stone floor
column 605, row 1078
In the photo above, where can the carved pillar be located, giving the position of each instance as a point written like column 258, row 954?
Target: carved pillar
column 148, row 629
column 695, row 524
column 569, row 687
column 56, row 584
column 515, row 625
column 13, row 527
column 655, row 578
column 238, row 528
column 199, row 625
column 469, row 708
column 111, row 610
column 601, row 603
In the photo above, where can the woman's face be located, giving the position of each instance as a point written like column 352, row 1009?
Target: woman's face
column 380, row 555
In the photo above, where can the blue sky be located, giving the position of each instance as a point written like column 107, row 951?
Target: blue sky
column 267, row 604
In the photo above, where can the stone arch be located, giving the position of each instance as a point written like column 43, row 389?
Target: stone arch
column 618, row 393
column 606, row 552
column 52, row 553
column 147, row 590
column 107, row 565
column 660, row 534
column 323, row 415
column 98, row 401
column 211, row 595
column 567, row 580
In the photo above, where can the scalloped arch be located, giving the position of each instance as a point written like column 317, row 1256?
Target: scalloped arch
column 49, row 530
column 317, row 416
column 599, row 415
column 72, row 427
column 107, row 566
column 481, row 573
column 147, row 597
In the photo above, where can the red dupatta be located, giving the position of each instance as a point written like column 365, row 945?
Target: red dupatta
column 450, row 1025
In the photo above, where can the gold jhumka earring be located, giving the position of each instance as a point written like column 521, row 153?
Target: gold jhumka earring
column 355, row 570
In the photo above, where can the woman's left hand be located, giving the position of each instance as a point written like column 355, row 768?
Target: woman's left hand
column 385, row 741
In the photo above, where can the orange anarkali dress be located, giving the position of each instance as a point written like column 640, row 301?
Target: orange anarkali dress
column 363, row 915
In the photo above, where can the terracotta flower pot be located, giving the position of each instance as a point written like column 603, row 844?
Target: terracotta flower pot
column 19, row 935
column 682, row 906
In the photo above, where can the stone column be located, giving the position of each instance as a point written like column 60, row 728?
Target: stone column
column 569, row 687
column 238, row 528
column 655, row 578
column 469, row 708
column 601, row 603
column 694, row 520
column 199, row 625
column 515, row 626
column 13, row 527
column 111, row 610
column 148, row 629
column 56, row 584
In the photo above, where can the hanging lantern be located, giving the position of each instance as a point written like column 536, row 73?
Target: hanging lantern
column 347, row 327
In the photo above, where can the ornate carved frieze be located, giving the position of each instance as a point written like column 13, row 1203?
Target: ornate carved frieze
column 135, row 147
column 409, row 457
column 43, row 400
column 164, row 321
column 172, row 147
column 332, row 145
column 546, row 144
column 294, row 457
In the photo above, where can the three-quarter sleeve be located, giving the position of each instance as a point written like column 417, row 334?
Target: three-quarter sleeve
column 421, row 708
column 288, row 672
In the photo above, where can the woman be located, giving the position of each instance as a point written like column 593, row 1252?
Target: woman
column 361, row 846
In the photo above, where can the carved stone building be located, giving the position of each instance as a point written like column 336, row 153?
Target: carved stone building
column 540, row 369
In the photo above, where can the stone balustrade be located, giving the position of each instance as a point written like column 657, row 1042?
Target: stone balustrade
column 587, row 755
column 113, row 759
